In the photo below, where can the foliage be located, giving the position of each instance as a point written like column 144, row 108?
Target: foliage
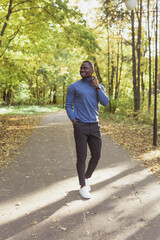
column 39, row 41
column 115, row 38
column 127, row 113
column 22, row 93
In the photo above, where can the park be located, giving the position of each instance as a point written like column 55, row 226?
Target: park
column 42, row 46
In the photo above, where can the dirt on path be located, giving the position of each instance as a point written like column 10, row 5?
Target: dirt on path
column 39, row 191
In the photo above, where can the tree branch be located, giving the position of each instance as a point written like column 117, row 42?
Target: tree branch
column 7, row 19
column 20, row 3
column 126, row 41
column 24, row 9
column 12, row 37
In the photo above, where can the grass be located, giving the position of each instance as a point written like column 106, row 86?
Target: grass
column 28, row 110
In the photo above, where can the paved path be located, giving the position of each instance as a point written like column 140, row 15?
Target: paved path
column 39, row 192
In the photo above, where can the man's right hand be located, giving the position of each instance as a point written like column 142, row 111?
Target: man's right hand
column 74, row 121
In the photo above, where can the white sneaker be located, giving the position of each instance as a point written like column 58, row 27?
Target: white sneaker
column 87, row 184
column 84, row 192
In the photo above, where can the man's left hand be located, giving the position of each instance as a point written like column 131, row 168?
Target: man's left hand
column 94, row 82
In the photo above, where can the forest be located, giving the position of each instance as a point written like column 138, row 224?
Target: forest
column 43, row 42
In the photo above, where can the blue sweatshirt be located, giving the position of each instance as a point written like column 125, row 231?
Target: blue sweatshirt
column 85, row 99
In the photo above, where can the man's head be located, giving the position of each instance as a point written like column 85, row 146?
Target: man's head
column 86, row 69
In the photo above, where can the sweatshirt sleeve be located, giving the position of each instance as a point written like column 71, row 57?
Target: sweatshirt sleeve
column 69, row 102
column 102, row 97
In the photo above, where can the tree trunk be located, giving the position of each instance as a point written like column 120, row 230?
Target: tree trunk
column 4, row 95
column 37, row 89
column 50, row 96
column 9, row 97
column 136, row 99
column 112, row 79
column 63, row 93
column 54, row 94
column 117, row 74
column 143, row 87
column 108, row 57
column 122, row 59
column 150, row 66
column 7, row 19
column 139, row 52
column 96, row 68
column 112, row 107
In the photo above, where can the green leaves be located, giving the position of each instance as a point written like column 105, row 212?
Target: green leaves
column 39, row 34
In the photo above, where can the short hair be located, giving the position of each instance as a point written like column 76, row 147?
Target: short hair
column 90, row 63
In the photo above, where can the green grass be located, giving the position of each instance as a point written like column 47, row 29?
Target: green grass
column 28, row 110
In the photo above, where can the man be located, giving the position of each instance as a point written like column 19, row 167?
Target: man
column 85, row 94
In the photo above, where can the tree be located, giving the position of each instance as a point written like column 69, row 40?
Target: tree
column 34, row 35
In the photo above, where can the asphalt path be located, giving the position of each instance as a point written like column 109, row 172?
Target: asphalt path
column 39, row 191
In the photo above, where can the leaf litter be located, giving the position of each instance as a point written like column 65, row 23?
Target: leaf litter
column 138, row 140
column 13, row 132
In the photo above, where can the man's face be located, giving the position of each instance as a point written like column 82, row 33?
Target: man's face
column 86, row 70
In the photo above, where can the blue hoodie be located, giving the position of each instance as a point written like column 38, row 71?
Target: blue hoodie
column 85, row 99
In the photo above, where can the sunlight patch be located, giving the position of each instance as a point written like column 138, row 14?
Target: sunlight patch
column 20, row 207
